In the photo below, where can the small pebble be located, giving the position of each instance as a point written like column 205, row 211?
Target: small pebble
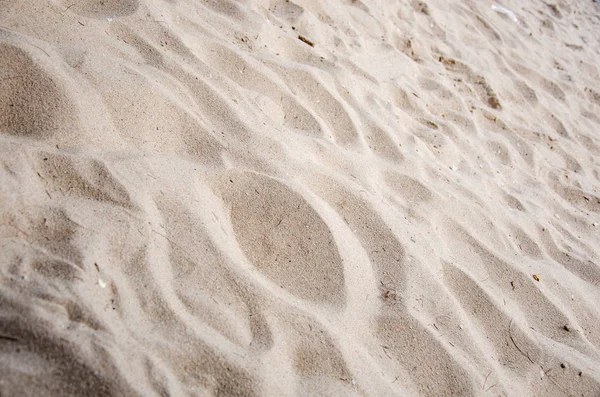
column 563, row 365
column 580, row 373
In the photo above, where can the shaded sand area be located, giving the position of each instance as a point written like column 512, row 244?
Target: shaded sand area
column 266, row 198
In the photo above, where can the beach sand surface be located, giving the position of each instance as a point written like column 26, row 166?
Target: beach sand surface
column 293, row 198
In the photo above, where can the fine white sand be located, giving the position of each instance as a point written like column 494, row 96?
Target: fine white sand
column 194, row 201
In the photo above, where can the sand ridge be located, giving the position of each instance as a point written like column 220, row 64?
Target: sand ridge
column 195, row 201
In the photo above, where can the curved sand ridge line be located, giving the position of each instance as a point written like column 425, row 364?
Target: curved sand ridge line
column 195, row 201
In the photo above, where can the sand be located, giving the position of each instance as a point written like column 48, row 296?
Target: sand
column 268, row 198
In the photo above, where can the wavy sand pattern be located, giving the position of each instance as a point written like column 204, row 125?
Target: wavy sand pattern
column 193, row 201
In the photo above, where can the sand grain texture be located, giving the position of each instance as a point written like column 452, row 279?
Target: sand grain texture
column 268, row 198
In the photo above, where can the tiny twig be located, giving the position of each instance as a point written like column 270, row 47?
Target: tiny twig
column 533, row 362
column 169, row 240
column 486, row 378
column 9, row 338
column 555, row 382
column 488, row 389
column 16, row 228
column 515, row 343
column 305, row 40
column 186, row 255
column 40, row 48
